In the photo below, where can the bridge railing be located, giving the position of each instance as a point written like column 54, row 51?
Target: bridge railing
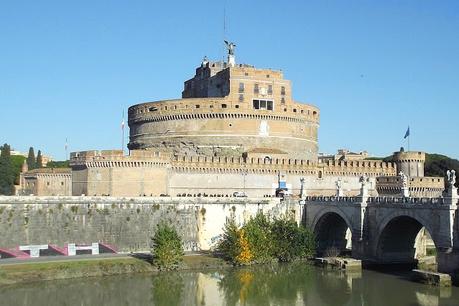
column 376, row 200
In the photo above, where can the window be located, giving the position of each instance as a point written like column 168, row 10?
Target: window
column 236, row 106
column 270, row 89
column 267, row 76
column 246, row 74
column 241, row 98
column 198, row 106
column 283, row 90
column 224, row 105
column 256, row 90
column 282, row 100
column 263, row 104
column 62, row 183
column 241, row 87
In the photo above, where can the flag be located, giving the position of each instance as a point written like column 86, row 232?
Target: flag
column 122, row 124
column 407, row 133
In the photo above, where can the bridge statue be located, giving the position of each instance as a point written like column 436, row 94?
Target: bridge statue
column 451, row 175
column 364, row 188
column 339, row 188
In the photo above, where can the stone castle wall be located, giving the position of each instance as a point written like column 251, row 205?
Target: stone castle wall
column 198, row 126
column 126, row 223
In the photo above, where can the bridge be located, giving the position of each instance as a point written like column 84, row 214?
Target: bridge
column 383, row 229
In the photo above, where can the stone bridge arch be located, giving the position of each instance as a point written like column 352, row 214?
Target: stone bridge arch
column 333, row 229
column 396, row 235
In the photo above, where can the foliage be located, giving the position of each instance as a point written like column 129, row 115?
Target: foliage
column 258, row 232
column 261, row 240
column 58, row 164
column 291, row 241
column 244, row 255
column 228, row 245
column 167, row 247
column 437, row 165
column 31, row 162
column 39, row 163
column 17, row 161
column 7, row 174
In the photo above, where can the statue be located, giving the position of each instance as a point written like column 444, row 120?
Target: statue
column 338, row 184
column 363, row 180
column 230, row 46
column 404, row 179
column 451, row 175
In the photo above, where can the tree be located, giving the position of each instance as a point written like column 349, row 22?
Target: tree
column 39, row 163
column 167, row 247
column 31, row 159
column 7, row 174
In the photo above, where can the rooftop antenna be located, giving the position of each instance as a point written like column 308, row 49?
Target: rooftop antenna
column 224, row 30
column 122, row 134
column 66, row 147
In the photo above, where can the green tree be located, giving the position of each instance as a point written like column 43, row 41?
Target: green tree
column 7, row 174
column 31, row 162
column 39, row 163
column 167, row 247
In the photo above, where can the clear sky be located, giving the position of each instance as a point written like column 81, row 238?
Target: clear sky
column 70, row 68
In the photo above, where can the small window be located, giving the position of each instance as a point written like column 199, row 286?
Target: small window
column 241, row 87
column 267, row 76
column 256, row 90
column 197, row 106
column 153, row 109
column 241, row 98
column 62, row 183
column 236, row 106
column 282, row 100
column 211, row 106
column 283, row 90
column 294, row 110
column 165, row 107
column 47, row 183
column 224, row 105
column 246, row 74
column 270, row 89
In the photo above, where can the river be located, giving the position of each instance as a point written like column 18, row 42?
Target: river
column 279, row 284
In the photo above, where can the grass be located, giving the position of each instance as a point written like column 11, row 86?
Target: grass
column 76, row 268
column 30, row 272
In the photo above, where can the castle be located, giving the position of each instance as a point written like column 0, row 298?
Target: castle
column 236, row 131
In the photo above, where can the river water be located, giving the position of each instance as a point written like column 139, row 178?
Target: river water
column 280, row 284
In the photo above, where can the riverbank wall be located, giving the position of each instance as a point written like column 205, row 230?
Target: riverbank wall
column 125, row 223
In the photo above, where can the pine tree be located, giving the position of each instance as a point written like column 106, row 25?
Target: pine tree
column 39, row 163
column 31, row 159
column 6, row 171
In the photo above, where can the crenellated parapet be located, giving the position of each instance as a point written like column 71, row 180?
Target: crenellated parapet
column 274, row 165
column 417, row 186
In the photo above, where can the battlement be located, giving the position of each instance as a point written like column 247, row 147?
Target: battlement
column 116, row 158
column 274, row 165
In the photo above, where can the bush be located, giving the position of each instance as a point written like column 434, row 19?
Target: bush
column 167, row 247
column 258, row 232
column 291, row 241
column 262, row 240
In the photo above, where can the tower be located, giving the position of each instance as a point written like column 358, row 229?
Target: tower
column 411, row 163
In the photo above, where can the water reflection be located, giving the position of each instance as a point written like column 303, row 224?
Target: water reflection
column 283, row 284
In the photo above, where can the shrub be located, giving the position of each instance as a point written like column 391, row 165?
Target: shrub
column 167, row 247
column 291, row 241
column 244, row 254
column 258, row 231
column 262, row 240
column 228, row 244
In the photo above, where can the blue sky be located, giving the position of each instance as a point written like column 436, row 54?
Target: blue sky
column 69, row 68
